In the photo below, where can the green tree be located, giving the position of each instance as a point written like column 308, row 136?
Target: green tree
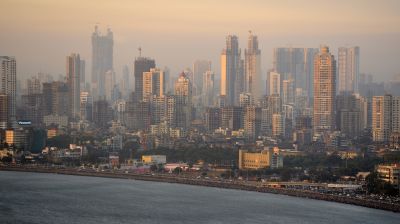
column 373, row 183
column 177, row 170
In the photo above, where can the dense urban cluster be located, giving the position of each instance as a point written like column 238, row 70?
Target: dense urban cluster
column 312, row 117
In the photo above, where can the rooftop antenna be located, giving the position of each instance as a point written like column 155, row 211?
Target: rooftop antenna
column 140, row 51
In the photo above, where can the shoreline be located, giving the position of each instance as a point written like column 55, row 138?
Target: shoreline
column 217, row 184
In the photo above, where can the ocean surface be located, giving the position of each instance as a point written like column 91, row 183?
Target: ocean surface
column 53, row 198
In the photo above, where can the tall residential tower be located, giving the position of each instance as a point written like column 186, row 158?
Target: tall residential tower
column 8, row 86
column 102, row 60
column 324, row 91
column 348, row 69
column 231, row 71
column 74, row 80
column 252, row 55
column 142, row 65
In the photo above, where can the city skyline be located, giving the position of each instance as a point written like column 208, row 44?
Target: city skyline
column 196, row 31
column 296, row 98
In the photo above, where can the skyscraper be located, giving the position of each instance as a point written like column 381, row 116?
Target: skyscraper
column 109, row 85
column 199, row 68
column 86, row 106
column 183, row 97
column 351, row 112
column 3, row 111
column 83, row 74
column 102, row 60
column 385, row 117
column 231, row 75
column 142, row 64
column 253, row 68
column 252, row 122
column 8, row 85
column 288, row 91
column 274, row 83
column 324, row 91
column 74, row 84
column 126, row 85
column 348, row 69
column 153, row 83
column 33, row 86
column 381, row 118
column 56, row 98
column 296, row 63
column 208, row 88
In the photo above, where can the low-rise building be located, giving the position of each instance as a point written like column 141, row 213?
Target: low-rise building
column 17, row 138
column 267, row 158
column 113, row 159
column 389, row 173
column 154, row 159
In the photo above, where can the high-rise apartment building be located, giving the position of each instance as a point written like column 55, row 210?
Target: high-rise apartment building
column 32, row 108
column 278, row 125
column 126, row 85
column 56, row 98
column 8, row 86
column 246, row 99
column 183, row 98
column 253, row 68
column 274, row 83
column 102, row 60
column 385, row 117
column 83, row 74
column 348, row 69
column 142, row 65
column 74, row 84
column 232, row 80
column 232, row 117
column 296, row 63
column 351, row 110
column 208, row 89
column 86, row 106
column 212, row 118
column 324, row 91
column 381, row 118
column 3, row 111
column 33, row 86
column 153, row 83
column 252, row 122
column 199, row 68
column 109, row 86
column 288, row 91
column 102, row 113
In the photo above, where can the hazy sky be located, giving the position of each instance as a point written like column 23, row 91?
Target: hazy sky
column 40, row 33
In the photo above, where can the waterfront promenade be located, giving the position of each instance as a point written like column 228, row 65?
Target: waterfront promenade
column 228, row 184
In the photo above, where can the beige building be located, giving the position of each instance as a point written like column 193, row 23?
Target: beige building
column 381, row 118
column 278, row 125
column 324, row 91
column 252, row 121
column 267, row 158
column 389, row 173
column 153, row 83
column 274, row 83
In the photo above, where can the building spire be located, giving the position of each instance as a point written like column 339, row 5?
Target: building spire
column 140, row 51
